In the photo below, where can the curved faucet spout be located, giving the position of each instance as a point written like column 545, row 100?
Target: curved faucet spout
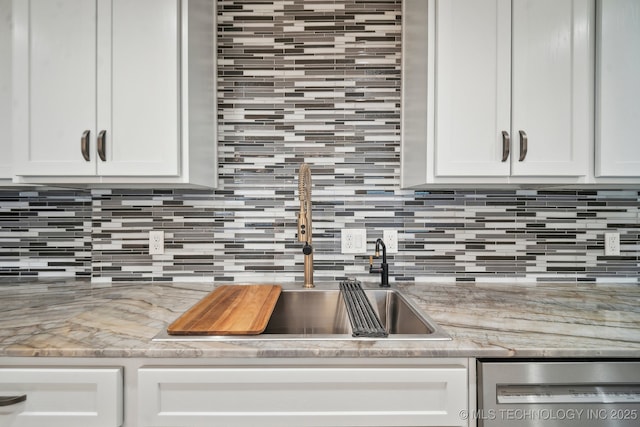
column 305, row 230
column 384, row 267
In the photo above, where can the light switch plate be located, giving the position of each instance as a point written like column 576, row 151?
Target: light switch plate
column 353, row 240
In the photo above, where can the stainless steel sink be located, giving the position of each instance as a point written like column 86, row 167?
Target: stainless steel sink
column 320, row 314
column 309, row 312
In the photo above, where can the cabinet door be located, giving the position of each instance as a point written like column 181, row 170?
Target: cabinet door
column 552, row 82
column 323, row 396
column 139, row 87
column 54, row 86
column 618, row 89
column 63, row 397
column 473, row 62
column 5, row 89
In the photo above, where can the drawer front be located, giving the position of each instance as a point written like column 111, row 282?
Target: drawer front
column 302, row 396
column 65, row 397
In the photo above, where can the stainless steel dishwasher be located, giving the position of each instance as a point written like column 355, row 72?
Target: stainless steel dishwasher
column 554, row 393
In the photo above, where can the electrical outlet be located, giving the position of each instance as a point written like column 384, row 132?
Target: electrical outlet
column 156, row 242
column 353, row 240
column 390, row 239
column 611, row 244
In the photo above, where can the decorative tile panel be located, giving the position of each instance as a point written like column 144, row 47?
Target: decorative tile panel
column 45, row 233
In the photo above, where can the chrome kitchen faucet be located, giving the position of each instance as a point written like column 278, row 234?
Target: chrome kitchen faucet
column 304, row 222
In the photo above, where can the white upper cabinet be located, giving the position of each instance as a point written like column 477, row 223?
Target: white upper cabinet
column 114, row 91
column 5, row 90
column 618, row 89
column 509, row 91
column 55, row 92
column 473, row 78
column 139, row 81
column 552, row 87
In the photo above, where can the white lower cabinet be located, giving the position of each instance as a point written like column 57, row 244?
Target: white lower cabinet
column 429, row 393
column 62, row 397
column 193, row 392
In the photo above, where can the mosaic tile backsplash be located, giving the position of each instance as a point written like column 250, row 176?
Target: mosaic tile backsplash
column 316, row 82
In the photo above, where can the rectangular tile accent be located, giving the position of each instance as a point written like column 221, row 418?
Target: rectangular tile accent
column 316, row 82
column 45, row 233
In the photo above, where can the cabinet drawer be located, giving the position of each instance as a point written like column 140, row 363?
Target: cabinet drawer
column 74, row 397
column 303, row 396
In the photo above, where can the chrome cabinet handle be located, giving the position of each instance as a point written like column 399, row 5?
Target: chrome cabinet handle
column 84, row 145
column 506, row 143
column 102, row 149
column 12, row 400
column 523, row 145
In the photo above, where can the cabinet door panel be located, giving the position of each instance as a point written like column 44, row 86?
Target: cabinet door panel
column 618, row 89
column 139, row 88
column 302, row 396
column 472, row 87
column 5, row 89
column 551, row 82
column 54, row 89
column 64, row 397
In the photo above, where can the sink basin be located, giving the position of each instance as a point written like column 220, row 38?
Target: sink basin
column 320, row 314
column 309, row 312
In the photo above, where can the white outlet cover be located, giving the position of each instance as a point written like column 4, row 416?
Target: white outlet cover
column 390, row 239
column 156, row 242
column 612, row 244
column 353, row 240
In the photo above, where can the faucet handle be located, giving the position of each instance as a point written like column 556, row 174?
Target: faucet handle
column 302, row 227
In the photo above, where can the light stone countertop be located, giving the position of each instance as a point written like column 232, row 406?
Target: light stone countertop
column 77, row 319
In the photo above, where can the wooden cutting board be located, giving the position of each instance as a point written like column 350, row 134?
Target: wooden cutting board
column 229, row 310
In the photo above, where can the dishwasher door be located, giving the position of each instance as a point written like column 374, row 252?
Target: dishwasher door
column 558, row 393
